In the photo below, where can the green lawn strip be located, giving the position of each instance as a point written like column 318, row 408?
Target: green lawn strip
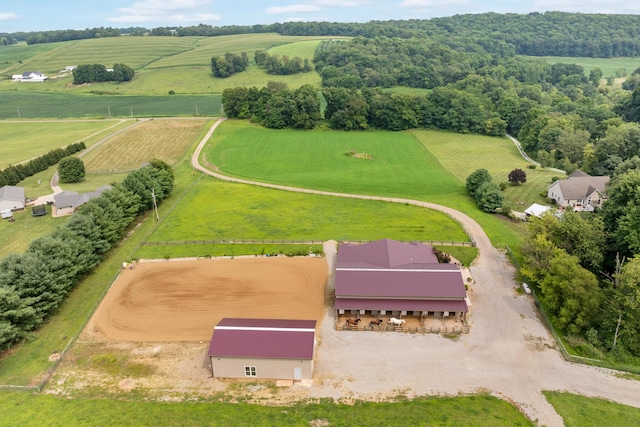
column 608, row 65
column 217, row 210
column 478, row 410
column 224, row 250
column 393, row 164
column 44, row 104
column 26, row 140
column 581, row 411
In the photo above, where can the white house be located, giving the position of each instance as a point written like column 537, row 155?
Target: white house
column 12, row 198
column 29, row 76
column 580, row 190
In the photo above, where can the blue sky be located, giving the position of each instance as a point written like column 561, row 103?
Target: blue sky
column 37, row 15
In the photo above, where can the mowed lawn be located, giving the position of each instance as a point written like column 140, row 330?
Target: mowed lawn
column 382, row 163
column 25, row 140
column 581, row 411
column 164, row 139
column 463, row 154
column 217, row 210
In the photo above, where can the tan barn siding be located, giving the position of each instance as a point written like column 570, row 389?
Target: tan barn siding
column 233, row 367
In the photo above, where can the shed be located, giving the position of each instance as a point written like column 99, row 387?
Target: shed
column 536, row 210
column 12, row 198
column 263, row 348
column 391, row 277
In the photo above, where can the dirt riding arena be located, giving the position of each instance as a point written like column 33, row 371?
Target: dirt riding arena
column 184, row 300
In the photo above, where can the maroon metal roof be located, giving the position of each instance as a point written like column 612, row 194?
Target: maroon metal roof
column 400, row 304
column 385, row 253
column 418, row 283
column 387, row 269
column 265, row 338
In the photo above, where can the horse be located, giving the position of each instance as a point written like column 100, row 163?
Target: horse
column 376, row 322
column 352, row 322
column 397, row 322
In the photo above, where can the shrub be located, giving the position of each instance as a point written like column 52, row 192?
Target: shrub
column 71, row 169
column 531, row 166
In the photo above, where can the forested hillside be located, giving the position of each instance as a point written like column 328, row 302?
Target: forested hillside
column 538, row 34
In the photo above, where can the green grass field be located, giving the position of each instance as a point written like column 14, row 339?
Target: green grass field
column 463, row 155
column 218, row 210
column 398, row 165
column 25, row 140
column 608, row 65
column 580, row 411
column 480, row 410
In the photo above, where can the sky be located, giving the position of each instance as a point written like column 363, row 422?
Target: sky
column 41, row 15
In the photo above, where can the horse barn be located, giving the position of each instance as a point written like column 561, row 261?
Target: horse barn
column 263, row 348
column 386, row 278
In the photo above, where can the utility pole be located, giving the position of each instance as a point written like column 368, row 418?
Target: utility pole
column 155, row 205
column 19, row 112
column 109, row 109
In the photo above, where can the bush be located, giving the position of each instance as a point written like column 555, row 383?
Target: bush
column 531, row 166
column 71, row 169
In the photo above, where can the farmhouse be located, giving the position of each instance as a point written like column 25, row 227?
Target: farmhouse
column 387, row 277
column 29, row 76
column 68, row 202
column 263, row 348
column 12, row 198
column 581, row 190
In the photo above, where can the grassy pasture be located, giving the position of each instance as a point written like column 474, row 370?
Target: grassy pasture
column 164, row 139
column 16, row 236
column 607, row 65
column 21, row 55
column 24, row 140
column 479, row 410
column 218, row 210
column 36, row 105
column 499, row 156
column 580, row 411
column 399, row 166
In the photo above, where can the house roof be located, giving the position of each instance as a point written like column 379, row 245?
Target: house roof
column 385, row 253
column 398, row 273
column 580, row 186
column 72, row 199
column 536, row 209
column 263, row 338
column 10, row 192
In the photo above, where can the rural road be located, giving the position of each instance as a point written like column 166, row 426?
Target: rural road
column 508, row 351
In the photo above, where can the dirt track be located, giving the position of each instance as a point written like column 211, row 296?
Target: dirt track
column 183, row 300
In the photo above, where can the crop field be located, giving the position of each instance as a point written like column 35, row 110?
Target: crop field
column 461, row 156
column 37, row 105
column 164, row 139
column 24, row 140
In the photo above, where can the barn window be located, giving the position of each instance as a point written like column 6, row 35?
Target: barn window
column 250, row 371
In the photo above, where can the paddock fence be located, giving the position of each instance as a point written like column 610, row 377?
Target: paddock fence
column 435, row 329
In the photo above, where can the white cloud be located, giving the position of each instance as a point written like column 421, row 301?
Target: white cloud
column 9, row 16
column 427, row 4
column 294, row 8
column 175, row 11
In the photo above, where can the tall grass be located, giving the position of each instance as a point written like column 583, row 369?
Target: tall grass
column 580, row 411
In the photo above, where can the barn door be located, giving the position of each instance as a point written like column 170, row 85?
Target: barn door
column 297, row 374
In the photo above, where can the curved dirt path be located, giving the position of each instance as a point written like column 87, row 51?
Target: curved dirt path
column 508, row 352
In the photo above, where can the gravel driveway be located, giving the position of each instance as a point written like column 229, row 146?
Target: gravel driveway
column 508, row 351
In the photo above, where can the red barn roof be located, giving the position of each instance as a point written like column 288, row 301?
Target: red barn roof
column 390, row 275
column 265, row 338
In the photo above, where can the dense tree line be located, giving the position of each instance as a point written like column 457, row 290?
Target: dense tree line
column 281, row 65
column 66, row 35
column 33, row 285
column 90, row 73
column 274, row 106
column 230, row 63
column 536, row 34
column 13, row 174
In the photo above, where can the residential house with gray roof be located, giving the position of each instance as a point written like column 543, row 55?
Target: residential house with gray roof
column 12, row 198
column 68, row 202
column 580, row 190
